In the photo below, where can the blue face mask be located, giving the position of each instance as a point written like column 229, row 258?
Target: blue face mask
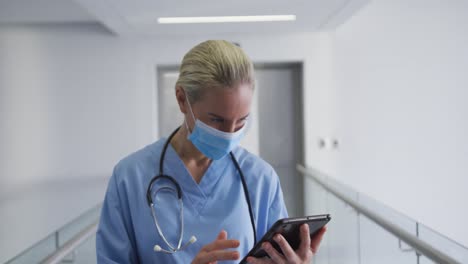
column 213, row 143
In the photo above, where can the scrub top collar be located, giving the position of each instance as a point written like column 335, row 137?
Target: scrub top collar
column 197, row 194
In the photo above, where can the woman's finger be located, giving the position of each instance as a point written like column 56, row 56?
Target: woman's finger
column 305, row 239
column 273, row 253
column 265, row 260
column 288, row 252
column 221, row 244
column 315, row 243
column 217, row 255
column 222, row 235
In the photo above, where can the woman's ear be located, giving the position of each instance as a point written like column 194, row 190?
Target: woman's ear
column 181, row 99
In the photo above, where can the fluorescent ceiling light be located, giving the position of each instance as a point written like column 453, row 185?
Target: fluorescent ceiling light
column 225, row 19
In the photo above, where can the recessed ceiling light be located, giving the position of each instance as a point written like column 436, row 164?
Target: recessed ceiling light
column 225, row 19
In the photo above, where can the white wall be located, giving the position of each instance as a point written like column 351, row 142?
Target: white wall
column 401, row 89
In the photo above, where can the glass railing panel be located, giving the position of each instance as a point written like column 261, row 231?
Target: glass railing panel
column 343, row 232
column 316, row 203
column 377, row 244
column 356, row 239
column 315, row 196
column 444, row 244
column 51, row 243
column 340, row 244
column 84, row 254
column 73, row 228
column 39, row 251
column 425, row 260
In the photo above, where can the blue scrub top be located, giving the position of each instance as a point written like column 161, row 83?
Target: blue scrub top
column 127, row 232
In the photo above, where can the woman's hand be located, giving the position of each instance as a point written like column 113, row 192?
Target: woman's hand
column 216, row 250
column 303, row 254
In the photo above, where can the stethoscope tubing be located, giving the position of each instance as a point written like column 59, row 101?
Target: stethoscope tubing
column 178, row 190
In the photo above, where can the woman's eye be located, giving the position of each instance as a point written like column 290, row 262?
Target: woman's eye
column 217, row 120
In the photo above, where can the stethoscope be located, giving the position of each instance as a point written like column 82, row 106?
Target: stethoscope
column 172, row 249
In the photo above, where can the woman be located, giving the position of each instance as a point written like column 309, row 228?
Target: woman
column 228, row 196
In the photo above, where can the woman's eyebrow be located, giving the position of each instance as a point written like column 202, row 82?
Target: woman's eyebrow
column 218, row 116
column 246, row 116
column 215, row 115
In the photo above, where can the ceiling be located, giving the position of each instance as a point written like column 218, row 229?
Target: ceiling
column 139, row 17
column 42, row 11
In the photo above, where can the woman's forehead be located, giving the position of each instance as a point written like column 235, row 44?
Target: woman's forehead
column 231, row 102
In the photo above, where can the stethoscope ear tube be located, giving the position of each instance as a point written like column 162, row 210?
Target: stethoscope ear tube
column 247, row 196
column 149, row 199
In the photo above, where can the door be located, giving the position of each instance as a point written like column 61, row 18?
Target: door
column 279, row 89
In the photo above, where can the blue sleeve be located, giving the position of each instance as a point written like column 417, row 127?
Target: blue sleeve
column 115, row 241
column 277, row 209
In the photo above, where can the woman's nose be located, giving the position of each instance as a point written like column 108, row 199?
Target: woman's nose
column 229, row 127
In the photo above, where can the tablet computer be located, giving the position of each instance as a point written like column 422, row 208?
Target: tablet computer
column 289, row 228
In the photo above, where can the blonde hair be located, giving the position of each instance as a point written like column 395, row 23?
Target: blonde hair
column 214, row 64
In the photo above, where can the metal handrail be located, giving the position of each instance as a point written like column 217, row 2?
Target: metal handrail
column 71, row 244
column 417, row 244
